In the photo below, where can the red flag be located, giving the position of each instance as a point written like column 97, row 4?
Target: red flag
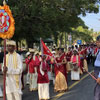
column 45, row 49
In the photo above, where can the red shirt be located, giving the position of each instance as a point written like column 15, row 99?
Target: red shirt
column 37, row 61
column 43, row 78
column 74, row 59
column 31, row 65
column 68, row 56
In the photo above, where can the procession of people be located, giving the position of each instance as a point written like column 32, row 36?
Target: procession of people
column 43, row 69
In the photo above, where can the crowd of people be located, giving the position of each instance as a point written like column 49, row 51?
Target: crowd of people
column 41, row 69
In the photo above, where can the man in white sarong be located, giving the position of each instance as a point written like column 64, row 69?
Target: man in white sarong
column 13, row 73
column 32, row 70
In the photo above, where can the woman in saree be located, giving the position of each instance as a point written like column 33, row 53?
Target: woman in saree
column 60, row 72
column 85, row 60
column 68, row 57
column 81, row 54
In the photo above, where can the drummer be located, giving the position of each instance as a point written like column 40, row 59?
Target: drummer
column 75, row 66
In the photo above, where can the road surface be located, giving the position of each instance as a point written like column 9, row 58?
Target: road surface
column 82, row 91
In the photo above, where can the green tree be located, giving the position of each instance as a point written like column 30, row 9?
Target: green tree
column 47, row 18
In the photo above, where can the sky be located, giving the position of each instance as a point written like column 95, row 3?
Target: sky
column 92, row 21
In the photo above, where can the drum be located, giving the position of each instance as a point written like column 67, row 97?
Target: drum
column 73, row 66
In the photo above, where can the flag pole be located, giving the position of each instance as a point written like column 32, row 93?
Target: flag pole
column 4, row 75
column 41, row 47
column 90, row 74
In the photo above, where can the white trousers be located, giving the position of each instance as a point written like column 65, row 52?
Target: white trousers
column 75, row 75
column 14, row 96
column 33, row 81
column 1, row 93
column 28, row 78
column 43, row 91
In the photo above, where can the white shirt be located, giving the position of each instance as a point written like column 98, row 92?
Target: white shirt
column 10, row 78
column 97, row 61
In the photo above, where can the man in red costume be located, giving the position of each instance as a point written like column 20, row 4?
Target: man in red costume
column 81, row 54
column 27, row 67
column 32, row 71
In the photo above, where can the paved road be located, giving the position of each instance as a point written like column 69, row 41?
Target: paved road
column 82, row 90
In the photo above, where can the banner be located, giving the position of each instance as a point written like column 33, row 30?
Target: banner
column 45, row 50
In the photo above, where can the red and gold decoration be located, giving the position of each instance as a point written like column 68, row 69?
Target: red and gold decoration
column 7, row 22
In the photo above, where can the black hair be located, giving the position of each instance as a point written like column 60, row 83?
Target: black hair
column 76, row 46
column 98, row 38
column 62, row 49
column 72, row 47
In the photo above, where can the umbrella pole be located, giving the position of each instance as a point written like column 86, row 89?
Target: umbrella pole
column 4, row 76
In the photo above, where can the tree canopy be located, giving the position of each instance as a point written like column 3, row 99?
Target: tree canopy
column 48, row 18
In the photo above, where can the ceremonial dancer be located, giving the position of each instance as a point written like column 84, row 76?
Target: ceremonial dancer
column 13, row 72
column 43, row 80
column 95, row 51
column 68, row 57
column 60, row 72
column 32, row 70
column 90, row 57
column 75, row 66
column 37, row 60
column 27, row 66
column 52, row 66
column 48, row 59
